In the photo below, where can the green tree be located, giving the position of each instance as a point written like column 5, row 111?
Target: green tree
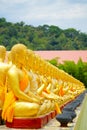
column 42, row 37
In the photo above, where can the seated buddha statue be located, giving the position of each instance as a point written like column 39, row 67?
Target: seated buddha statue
column 16, row 82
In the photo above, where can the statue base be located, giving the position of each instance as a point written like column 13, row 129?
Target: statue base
column 31, row 123
column 37, row 122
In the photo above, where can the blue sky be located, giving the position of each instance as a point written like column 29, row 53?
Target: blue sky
column 62, row 13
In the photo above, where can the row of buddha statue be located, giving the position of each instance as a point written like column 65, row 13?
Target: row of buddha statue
column 30, row 86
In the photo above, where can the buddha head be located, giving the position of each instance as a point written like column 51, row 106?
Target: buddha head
column 29, row 59
column 2, row 53
column 18, row 55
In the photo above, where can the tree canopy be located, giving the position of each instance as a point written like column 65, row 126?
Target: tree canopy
column 77, row 70
column 42, row 37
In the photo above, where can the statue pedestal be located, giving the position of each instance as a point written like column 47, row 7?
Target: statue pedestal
column 39, row 122
column 31, row 123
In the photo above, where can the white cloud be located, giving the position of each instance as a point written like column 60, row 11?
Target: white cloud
column 39, row 12
column 12, row 1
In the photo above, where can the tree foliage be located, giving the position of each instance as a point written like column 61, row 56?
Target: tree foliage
column 77, row 70
column 42, row 37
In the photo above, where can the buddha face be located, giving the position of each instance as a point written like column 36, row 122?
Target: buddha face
column 18, row 55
